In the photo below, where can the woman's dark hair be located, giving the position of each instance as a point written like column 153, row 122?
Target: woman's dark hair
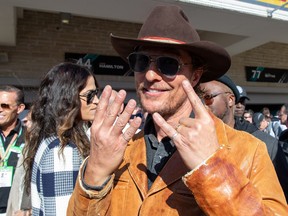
column 56, row 112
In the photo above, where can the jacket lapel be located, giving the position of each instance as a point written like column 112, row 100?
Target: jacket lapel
column 137, row 163
column 220, row 130
column 173, row 170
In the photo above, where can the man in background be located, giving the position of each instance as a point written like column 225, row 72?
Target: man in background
column 274, row 127
column 241, row 102
column 11, row 139
column 220, row 96
column 248, row 114
column 261, row 122
column 283, row 114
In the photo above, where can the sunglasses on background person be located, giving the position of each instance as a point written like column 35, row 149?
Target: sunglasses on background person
column 5, row 106
column 208, row 97
column 90, row 95
column 168, row 66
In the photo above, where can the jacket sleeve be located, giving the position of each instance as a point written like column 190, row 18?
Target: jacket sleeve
column 89, row 202
column 221, row 188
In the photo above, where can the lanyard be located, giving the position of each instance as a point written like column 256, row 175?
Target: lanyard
column 4, row 156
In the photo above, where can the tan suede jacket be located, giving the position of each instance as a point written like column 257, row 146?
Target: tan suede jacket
column 238, row 179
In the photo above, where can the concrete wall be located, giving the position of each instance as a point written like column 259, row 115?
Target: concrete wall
column 270, row 55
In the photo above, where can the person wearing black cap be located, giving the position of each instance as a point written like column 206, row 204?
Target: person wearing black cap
column 224, row 92
column 185, row 161
column 223, row 107
column 241, row 102
column 259, row 121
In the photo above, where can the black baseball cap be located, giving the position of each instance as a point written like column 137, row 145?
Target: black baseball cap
column 228, row 82
column 242, row 93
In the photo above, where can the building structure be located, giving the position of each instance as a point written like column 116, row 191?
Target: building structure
column 33, row 38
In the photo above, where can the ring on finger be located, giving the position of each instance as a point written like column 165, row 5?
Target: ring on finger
column 174, row 135
column 123, row 135
column 177, row 127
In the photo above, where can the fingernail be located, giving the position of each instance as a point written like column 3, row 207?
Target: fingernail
column 107, row 88
column 122, row 93
column 185, row 83
column 156, row 115
column 131, row 103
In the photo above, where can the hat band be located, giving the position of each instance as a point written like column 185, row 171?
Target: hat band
column 163, row 40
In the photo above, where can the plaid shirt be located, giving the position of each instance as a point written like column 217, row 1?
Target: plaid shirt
column 53, row 177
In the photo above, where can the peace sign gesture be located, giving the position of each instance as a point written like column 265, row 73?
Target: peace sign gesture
column 195, row 138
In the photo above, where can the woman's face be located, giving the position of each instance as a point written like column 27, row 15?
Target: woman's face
column 88, row 108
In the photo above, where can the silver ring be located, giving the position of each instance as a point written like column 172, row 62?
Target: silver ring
column 174, row 135
column 127, row 140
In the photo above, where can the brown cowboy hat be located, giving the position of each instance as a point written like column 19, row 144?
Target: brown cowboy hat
column 168, row 26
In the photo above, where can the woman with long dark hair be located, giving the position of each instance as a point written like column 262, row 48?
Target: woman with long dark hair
column 57, row 142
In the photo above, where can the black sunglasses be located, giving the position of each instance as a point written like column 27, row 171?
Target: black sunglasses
column 168, row 66
column 5, row 106
column 90, row 95
column 136, row 115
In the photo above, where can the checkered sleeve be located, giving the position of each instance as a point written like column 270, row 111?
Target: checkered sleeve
column 54, row 177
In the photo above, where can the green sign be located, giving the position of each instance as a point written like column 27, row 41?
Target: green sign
column 262, row 74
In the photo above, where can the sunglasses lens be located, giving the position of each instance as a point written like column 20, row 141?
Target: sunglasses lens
column 138, row 62
column 168, row 66
column 89, row 98
column 91, row 95
column 5, row 106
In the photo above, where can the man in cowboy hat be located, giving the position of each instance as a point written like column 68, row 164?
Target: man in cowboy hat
column 185, row 161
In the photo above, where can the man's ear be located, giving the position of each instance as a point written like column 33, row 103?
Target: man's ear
column 231, row 100
column 196, row 76
column 21, row 107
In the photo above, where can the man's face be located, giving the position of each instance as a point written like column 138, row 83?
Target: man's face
column 247, row 116
column 240, row 107
column 219, row 98
column 264, row 124
column 9, row 109
column 283, row 115
column 159, row 93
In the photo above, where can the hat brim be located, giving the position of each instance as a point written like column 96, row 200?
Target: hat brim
column 217, row 58
column 245, row 97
